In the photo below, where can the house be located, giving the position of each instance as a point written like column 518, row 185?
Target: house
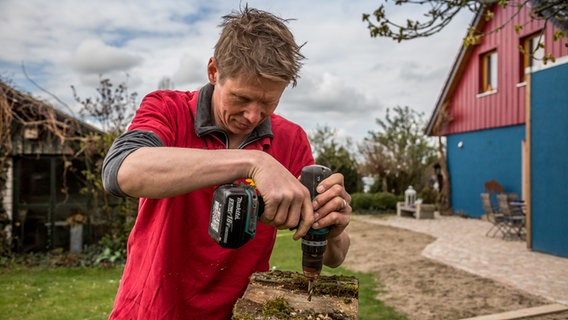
column 504, row 114
column 40, row 173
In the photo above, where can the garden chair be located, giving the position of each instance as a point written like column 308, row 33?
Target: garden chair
column 513, row 218
column 493, row 187
column 494, row 216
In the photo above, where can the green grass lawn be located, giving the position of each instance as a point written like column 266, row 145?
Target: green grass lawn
column 88, row 293
column 57, row 293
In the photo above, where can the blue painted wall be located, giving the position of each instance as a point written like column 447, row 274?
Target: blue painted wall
column 549, row 160
column 484, row 155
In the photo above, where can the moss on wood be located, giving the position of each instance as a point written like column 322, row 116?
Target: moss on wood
column 283, row 295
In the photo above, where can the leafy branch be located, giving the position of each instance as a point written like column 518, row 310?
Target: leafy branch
column 439, row 13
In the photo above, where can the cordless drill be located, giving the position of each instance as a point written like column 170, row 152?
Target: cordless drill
column 315, row 241
column 236, row 209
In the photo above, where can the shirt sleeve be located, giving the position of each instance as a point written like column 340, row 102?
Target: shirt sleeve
column 120, row 149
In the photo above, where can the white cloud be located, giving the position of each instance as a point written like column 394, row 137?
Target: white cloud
column 93, row 56
column 348, row 80
column 191, row 70
column 328, row 94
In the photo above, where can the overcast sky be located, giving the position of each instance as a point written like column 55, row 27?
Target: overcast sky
column 348, row 80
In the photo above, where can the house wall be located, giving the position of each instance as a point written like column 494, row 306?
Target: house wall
column 483, row 156
column 470, row 110
column 549, row 165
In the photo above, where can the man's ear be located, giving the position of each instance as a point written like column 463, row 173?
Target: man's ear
column 212, row 71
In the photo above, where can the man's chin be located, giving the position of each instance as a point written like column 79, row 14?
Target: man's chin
column 241, row 130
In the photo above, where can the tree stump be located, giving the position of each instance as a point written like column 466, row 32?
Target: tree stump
column 284, row 295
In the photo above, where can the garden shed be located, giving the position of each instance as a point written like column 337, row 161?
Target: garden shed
column 42, row 158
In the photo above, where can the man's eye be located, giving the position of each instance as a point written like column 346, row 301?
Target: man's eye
column 241, row 100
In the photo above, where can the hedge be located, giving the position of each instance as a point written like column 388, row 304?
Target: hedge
column 374, row 202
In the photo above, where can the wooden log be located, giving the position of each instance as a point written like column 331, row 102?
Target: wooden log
column 284, row 295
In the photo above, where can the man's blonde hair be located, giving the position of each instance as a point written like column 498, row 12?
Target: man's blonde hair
column 257, row 43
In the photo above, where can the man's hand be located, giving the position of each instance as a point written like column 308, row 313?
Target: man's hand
column 332, row 205
column 332, row 209
column 286, row 200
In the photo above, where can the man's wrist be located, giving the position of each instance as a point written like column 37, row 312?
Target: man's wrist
column 254, row 159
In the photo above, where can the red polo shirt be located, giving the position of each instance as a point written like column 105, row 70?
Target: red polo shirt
column 174, row 270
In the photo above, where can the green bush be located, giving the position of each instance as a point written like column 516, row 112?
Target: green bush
column 361, row 201
column 429, row 195
column 374, row 202
column 384, row 201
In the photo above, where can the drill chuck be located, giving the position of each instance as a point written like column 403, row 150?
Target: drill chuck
column 313, row 247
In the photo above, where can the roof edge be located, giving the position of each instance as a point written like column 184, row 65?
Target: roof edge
column 458, row 64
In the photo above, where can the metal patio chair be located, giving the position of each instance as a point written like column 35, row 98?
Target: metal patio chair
column 513, row 217
column 497, row 219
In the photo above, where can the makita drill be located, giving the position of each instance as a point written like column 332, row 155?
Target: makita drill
column 236, row 209
column 315, row 241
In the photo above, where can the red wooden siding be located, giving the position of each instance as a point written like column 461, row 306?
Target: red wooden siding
column 471, row 110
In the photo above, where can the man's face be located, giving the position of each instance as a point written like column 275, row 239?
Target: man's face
column 240, row 104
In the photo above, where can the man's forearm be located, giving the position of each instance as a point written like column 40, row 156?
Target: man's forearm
column 162, row 172
column 336, row 250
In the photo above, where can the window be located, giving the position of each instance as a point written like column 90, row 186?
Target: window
column 489, row 71
column 532, row 51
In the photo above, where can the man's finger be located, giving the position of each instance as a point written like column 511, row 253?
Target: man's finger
column 306, row 221
column 294, row 214
column 282, row 214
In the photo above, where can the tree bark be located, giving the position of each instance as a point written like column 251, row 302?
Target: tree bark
column 444, row 195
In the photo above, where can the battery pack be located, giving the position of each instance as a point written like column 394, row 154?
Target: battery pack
column 234, row 214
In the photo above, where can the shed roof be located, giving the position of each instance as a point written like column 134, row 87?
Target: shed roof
column 20, row 111
column 30, row 107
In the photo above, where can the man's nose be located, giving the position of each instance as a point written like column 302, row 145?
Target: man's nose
column 253, row 113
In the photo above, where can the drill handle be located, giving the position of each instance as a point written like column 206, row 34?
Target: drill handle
column 312, row 176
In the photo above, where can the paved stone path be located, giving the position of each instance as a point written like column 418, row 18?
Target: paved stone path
column 462, row 243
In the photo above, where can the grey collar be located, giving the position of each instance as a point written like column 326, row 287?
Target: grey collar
column 205, row 125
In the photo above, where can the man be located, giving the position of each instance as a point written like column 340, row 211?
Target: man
column 182, row 144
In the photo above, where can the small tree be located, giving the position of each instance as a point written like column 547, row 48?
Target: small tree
column 335, row 156
column 398, row 153
column 112, row 110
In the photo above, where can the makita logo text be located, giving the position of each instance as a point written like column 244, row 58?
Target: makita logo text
column 238, row 211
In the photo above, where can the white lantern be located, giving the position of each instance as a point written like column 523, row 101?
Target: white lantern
column 409, row 197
